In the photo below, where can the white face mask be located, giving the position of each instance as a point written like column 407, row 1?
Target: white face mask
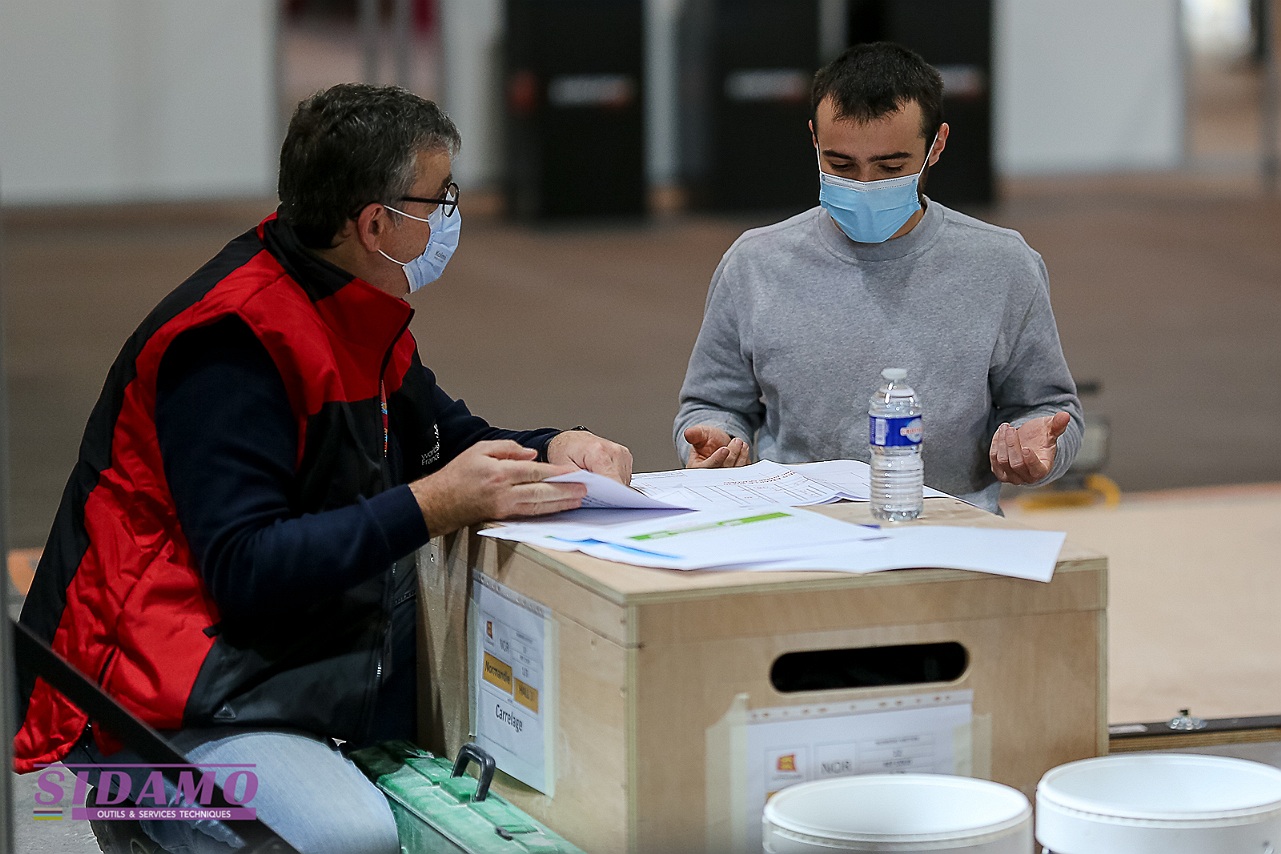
column 427, row 267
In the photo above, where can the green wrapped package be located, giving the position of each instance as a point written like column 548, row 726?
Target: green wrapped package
column 440, row 809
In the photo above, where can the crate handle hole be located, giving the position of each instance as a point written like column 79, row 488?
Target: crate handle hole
column 868, row 667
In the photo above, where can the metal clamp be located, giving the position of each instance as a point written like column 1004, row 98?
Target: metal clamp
column 488, row 766
column 1184, row 722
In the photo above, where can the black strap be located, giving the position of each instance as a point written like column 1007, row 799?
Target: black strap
column 146, row 742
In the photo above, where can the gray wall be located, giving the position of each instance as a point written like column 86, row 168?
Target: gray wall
column 1088, row 85
column 124, row 100
column 127, row 100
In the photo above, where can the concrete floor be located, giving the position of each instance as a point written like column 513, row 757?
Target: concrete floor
column 1192, row 598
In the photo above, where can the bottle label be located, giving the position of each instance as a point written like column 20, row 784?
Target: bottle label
column 894, row 432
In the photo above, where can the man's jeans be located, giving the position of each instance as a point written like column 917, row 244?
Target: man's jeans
column 308, row 792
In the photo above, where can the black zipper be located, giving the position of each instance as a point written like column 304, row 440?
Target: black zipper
column 102, row 672
column 381, row 649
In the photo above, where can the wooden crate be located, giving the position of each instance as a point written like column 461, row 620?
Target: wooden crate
column 651, row 661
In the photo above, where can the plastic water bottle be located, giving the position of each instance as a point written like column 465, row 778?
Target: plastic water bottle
column 894, row 446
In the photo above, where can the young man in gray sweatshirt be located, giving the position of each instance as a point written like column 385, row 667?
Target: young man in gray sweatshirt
column 802, row 316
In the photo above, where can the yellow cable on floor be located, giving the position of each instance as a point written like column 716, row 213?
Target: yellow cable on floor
column 1098, row 488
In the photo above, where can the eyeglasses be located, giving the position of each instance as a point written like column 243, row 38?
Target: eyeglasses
column 449, row 203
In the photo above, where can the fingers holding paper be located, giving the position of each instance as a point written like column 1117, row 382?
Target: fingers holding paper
column 493, row 480
column 585, row 450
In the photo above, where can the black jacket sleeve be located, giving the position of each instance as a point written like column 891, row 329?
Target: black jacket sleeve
column 228, row 440
column 460, row 429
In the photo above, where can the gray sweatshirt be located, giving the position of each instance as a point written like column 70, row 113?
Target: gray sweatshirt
column 800, row 320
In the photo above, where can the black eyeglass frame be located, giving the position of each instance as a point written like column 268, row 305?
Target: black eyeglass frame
column 450, row 202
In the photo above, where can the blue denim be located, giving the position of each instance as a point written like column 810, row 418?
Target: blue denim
column 308, row 792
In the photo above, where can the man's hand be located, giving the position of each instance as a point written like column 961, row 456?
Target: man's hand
column 590, row 452
column 712, row 448
column 1025, row 454
column 492, row 480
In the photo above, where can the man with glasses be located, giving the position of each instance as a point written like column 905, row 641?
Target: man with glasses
column 233, row 559
column 802, row 316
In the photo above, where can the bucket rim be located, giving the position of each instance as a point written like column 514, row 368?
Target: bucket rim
column 1048, row 793
column 806, row 831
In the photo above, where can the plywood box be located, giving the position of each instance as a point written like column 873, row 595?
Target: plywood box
column 651, row 665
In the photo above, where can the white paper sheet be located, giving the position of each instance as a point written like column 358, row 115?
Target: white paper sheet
column 757, row 485
column 514, row 694
column 998, row 551
column 620, row 523
column 697, row 539
column 762, row 483
column 851, row 479
column 914, row 733
column 566, row 531
column 606, row 493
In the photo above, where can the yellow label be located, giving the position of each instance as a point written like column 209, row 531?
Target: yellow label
column 498, row 673
column 526, row 695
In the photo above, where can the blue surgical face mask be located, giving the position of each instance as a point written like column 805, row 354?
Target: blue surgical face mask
column 427, row 267
column 871, row 211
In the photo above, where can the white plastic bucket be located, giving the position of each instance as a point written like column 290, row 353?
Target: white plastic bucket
column 898, row 812
column 1160, row 804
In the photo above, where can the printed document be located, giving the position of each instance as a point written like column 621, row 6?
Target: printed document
column 744, row 519
column 928, row 734
column 851, row 479
column 701, row 539
column 762, row 483
column 512, row 639
column 756, row 485
column 998, row 551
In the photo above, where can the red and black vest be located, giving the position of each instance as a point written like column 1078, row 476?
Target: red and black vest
column 118, row 592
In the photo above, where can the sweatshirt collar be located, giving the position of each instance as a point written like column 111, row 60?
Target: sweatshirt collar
column 926, row 232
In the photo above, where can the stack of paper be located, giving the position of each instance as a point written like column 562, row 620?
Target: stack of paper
column 851, row 478
column 759, row 484
column 749, row 519
column 693, row 539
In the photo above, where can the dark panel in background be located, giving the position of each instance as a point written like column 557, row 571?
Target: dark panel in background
column 574, row 107
column 955, row 36
column 746, row 67
column 8, row 678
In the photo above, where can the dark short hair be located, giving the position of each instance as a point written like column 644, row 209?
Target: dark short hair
column 351, row 145
column 870, row 81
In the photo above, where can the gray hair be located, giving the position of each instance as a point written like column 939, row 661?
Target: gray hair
column 351, row 145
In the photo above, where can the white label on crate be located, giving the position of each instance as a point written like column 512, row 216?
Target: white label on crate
column 923, row 733
column 512, row 688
